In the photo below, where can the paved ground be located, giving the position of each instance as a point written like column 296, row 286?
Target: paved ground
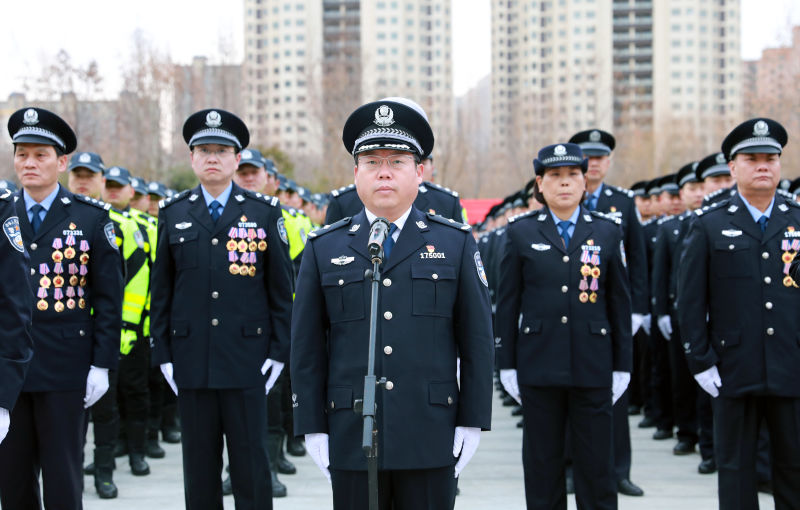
column 492, row 479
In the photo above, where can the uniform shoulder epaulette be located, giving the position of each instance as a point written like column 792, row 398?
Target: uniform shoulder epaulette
column 598, row 214
column 665, row 219
column 684, row 215
column 174, row 198
column 449, row 222
column 343, row 189
column 329, row 228
column 92, row 201
column 440, row 188
column 260, row 197
column 785, row 194
column 650, row 221
column 6, row 195
column 713, row 194
column 624, row 191
column 521, row 215
column 711, row 207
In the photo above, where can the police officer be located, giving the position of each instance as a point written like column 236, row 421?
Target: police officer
column 713, row 172
column 431, row 198
column 157, row 193
column 564, row 330
column 220, row 314
column 734, row 270
column 76, row 281
column 597, row 145
column 16, row 350
column 433, row 304
column 86, row 174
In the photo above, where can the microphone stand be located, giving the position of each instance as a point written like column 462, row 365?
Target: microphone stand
column 369, row 438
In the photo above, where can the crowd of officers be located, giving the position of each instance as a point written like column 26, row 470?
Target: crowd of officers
column 656, row 296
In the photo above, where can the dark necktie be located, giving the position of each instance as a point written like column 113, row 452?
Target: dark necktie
column 762, row 223
column 388, row 244
column 563, row 228
column 215, row 210
column 36, row 220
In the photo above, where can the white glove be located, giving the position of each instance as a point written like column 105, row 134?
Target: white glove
column 665, row 325
column 96, row 385
column 277, row 368
column 637, row 320
column 317, row 448
column 5, row 422
column 465, row 443
column 619, row 383
column 709, row 380
column 647, row 323
column 508, row 378
column 458, row 371
column 167, row 369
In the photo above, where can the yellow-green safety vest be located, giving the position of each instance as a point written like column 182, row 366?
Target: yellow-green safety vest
column 150, row 225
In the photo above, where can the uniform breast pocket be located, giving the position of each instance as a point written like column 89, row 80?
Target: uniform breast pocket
column 184, row 249
column 433, row 289
column 731, row 258
column 344, row 295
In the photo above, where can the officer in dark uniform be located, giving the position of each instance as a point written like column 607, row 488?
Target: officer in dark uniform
column 76, row 282
column 16, row 349
column 433, row 305
column 220, row 314
column 597, row 145
column 431, row 198
column 564, row 333
column 735, row 271
column 715, row 175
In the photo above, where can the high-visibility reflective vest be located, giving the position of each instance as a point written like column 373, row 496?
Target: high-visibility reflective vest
column 134, row 248
column 150, row 226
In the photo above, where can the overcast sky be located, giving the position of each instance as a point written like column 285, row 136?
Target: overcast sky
column 102, row 30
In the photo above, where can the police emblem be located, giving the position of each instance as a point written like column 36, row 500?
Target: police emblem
column 114, row 172
column 594, row 136
column 622, row 254
column 111, row 237
column 479, row 266
column 282, row 231
column 85, row 158
column 11, row 228
column 30, row 117
column 246, row 154
column 152, row 186
column 760, row 128
column 384, row 116
column 213, row 119
column 560, row 150
column 720, row 159
column 139, row 238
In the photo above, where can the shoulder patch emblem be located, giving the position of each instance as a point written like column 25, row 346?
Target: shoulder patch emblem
column 111, row 237
column 13, row 233
column 479, row 267
column 282, row 231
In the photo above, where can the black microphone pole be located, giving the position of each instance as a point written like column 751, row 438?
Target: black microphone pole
column 379, row 230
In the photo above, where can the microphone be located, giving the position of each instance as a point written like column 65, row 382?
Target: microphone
column 378, row 232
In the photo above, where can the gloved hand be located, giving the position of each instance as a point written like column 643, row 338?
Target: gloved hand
column 277, row 368
column 458, row 371
column 127, row 340
column 665, row 325
column 5, row 422
column 317, row 448
column 647, row 323
column 709, row 380
column 96, row 385
column 167, row 370
column 508, row 378
column 619, row 383
column 637, row 320
column 465, row 443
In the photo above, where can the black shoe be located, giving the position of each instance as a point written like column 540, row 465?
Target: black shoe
column 139, row 466
column 765, row 487
column 105, row 489
column 628, row 488
column 707, row 466
column 227, row 488
column 519, row 424
column 458, row 491
column 570, row 484
column 285, row 467
column 517, row 411
column 647, row 423
column 278, row 489
column 103, row 473
column 634, row 410
column 294, row 447
column 171, row 435
column 662, row 434
column 89, row 469
column 683, row 448
column 154, row 450
column 509, row 401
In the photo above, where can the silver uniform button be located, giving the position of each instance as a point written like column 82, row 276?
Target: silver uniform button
column 34, row 246
column 603, row 331
column 214, row 322
column 387, row 316
column 765, row 255
column 770, row 331
column 82, row 333
column 181, row 239
column 768, row 305
column 387, row 350
column 730, row 247
column 564, row 289
column 259, row 331
column 215, row 294
column 332, row 405
column 389, row 385
column 435, row 276
column 722, row 343
column 564, row 319
column 33, row 271
column 449, row 400
column 526, row 330
column 767, row 280
column 341, row 282
column 565, row 258
column 387, row 282
column 215, row 241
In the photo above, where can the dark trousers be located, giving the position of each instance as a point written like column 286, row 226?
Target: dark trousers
column 156, row 386
column 274, row 407
column 684, row 389
column 641, row 391
column 545, row 414
column 287, row 412
column 46, row 436
column 105, row 415
column 705, row 419
column 736, row 429
column 662, row 386
column 241, row 416
column 622, row 438
column 413, row 489
column 133, row 393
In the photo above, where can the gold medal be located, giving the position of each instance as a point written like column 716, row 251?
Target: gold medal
column 788, row 281
column 583, row 297
column 41, row 305
column 595, row 272
column 58, row 281
column 59, row 306
column 234, row 268
column 58, row 256
column 83, row 281
column 243, row 271
column 252, row 270
column 69, row 252
column 81, row 303
column 44, row 282
column 73, row 280
column 253, row 246
column 71, row 304
column 262, row 246
column 586, row 270
column 242, row 246
column 787, row 257
column 84, row 258
column 593, row 297
column 231, row 245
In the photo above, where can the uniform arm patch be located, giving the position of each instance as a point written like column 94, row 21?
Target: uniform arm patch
column 111, row 236
column 13, row 233
column 479, row 267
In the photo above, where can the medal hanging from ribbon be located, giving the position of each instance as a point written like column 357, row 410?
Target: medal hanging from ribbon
column 790, row 249
column 589, row 269
column 242, row 245
column 586, row 270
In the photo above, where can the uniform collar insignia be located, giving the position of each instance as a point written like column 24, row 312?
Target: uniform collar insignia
column 183, row 226
column 731, row 233
column 421, row 224
column 541, row 247
column 239, row 198
column 194, row 197
column 609, row 192
column 355, row 227
column 342, row 260
column 423, row 189
column 587, row 218
column 733, row 209
column 65, row 200
column 783, row 207
column 542, row 217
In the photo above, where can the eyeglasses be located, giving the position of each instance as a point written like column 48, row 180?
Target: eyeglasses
column 395, row 161
column 205, row 152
